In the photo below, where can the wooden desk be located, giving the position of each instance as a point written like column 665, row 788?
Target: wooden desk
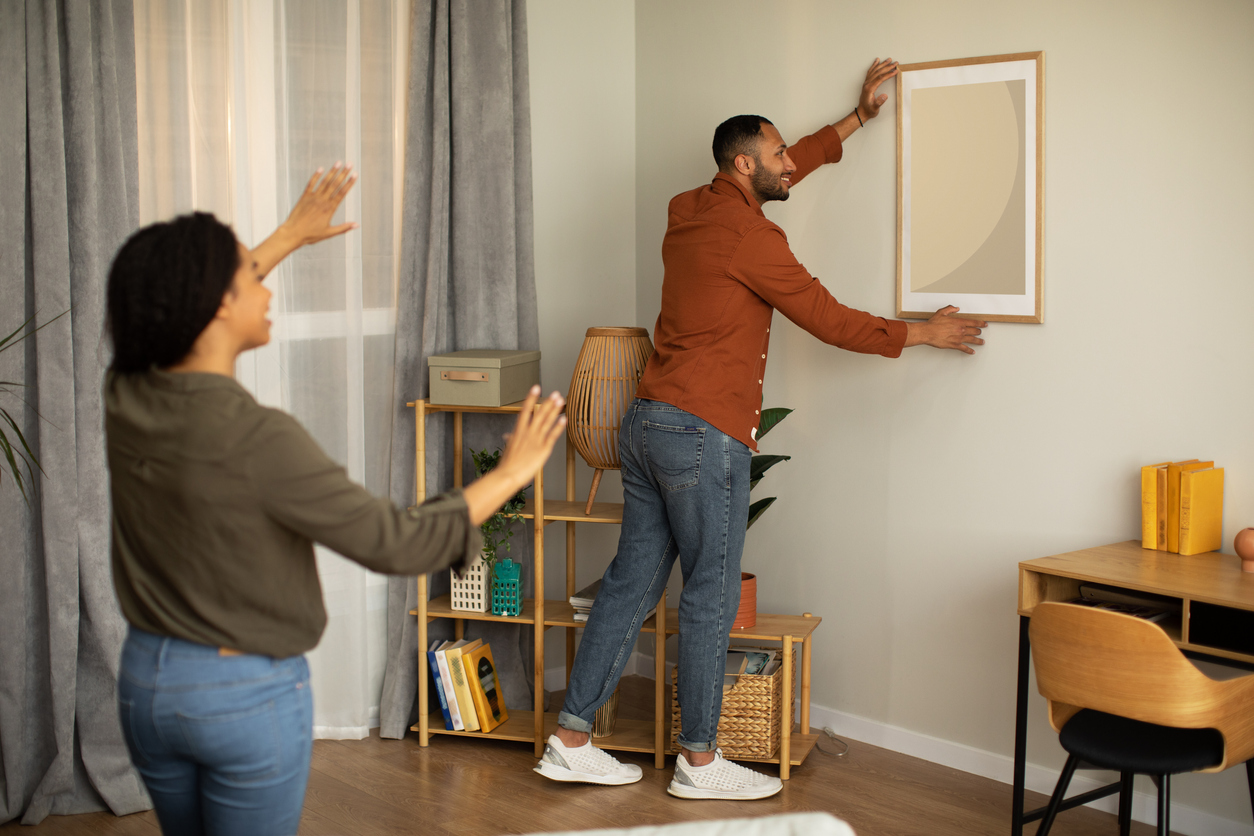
column 1217, row 618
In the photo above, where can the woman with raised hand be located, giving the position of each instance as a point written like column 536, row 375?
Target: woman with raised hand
column 217, row 502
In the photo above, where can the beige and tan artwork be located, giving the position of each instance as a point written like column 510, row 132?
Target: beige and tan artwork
column 967, row 200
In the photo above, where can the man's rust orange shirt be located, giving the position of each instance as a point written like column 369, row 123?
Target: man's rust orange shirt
column 728, row 269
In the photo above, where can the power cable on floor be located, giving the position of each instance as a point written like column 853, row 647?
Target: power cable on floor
column 829, row 737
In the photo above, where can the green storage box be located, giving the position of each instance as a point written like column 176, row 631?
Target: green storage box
column 483, row 377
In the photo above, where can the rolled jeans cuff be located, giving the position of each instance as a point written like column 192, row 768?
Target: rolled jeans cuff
column 574, row 722
column 697, row 747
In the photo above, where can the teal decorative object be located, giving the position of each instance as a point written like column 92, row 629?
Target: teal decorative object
column 507, row 588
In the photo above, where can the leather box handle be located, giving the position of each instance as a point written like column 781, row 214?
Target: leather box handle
column 463, row 375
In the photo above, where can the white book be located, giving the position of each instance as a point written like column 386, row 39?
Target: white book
column 446, row 682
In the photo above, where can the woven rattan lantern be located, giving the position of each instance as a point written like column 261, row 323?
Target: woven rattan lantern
column 606, row 375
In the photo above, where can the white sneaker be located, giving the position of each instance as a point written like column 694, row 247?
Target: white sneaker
column 584, row 764
column 720, row 778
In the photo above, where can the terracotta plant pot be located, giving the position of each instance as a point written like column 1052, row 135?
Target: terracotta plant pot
column 1243, row 545
column 747, row 615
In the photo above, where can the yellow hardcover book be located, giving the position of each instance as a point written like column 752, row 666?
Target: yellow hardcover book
column 461, row 688
column 1149, row 505
column 1201, row 510
column 1162, row 509
column 1173, row 499
column 485, row 687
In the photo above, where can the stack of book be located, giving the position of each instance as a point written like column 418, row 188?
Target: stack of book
column 582, row 601
column 1182, row 506
column 467, row 685
column 755, row 662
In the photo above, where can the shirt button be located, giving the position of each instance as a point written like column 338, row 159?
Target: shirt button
column 759, row 383
column 763, row 356
column 755, row 412
column 768, row 330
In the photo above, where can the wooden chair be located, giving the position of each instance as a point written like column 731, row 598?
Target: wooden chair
column 1122, row 696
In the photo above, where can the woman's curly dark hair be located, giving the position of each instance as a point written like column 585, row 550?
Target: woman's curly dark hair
column 165, row 286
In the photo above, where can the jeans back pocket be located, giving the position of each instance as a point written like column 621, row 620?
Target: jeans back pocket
column 242, row 747
column 673, row 454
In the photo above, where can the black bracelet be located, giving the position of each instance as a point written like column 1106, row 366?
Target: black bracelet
column 860, row 122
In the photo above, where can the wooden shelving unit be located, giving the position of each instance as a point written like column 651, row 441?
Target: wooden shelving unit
column 536, row 725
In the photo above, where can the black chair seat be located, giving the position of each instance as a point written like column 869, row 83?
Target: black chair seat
column 1114, row 742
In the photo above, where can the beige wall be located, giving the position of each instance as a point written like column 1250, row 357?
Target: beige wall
column 917, row 484
column 583, row 132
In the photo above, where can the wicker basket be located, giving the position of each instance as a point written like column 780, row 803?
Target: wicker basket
column 750, row 723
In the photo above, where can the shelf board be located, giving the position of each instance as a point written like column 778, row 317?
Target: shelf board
column 628, row 736
column 556, row 614
column 441, row 607
column 800, row 746
column 514, row 407
column 566, row 510
column 520, row 726
column 562, row 614
column 770, row 627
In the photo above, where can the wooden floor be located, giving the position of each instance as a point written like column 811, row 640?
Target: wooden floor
column 468, row 787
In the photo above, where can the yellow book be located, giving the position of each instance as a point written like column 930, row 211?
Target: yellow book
column 1201, row 510
column 485, row 687
column 1149, row 505
column 461, row 688
column 1161, row 497
column 1173, row 499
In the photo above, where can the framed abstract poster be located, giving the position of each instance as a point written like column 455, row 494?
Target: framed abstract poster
column 969, row 187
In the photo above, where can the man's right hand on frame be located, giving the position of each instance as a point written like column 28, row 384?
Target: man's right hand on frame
column 944, row 330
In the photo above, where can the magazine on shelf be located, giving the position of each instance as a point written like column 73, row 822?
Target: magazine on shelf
column 582, row 601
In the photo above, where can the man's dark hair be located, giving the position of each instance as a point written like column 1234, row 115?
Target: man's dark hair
column 738, row 135
column 165, row 285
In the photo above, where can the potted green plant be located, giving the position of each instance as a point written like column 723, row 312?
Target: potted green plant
column 505, row 574
column 747, row 615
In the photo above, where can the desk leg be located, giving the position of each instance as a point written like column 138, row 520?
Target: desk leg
column 1021, row 728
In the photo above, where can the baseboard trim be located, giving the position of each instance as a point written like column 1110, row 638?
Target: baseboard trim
column 1186, row 820
column 1189, row 821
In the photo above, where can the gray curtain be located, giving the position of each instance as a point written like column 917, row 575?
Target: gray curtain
column 70, row 197
column 467, row 279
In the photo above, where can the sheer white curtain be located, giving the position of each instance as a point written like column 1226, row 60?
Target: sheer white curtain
column 239, row 101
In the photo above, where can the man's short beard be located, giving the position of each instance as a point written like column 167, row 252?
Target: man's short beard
column 766, row 185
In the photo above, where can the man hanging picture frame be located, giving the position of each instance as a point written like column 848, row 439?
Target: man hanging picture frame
column 970, row 180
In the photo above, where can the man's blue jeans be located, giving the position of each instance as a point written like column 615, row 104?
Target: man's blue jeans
column 685, row 494
column 222, row 742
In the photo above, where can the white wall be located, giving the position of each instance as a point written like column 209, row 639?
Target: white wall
column 583, row 134
column 917, row 484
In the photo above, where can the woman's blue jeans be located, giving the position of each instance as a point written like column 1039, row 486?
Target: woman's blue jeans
column 222, row 742
column 685, row 495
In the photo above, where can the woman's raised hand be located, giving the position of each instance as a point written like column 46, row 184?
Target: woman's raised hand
column 310, row 219
column 527, row 448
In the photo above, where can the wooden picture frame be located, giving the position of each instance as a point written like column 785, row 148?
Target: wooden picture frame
column 970, row 187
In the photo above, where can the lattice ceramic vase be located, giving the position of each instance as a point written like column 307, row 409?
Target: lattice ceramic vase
column 507, row 588
column 607, row 373
column 469, row 590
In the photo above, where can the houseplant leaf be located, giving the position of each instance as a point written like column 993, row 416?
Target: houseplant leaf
column 756, row 510
column 771, row 417
column 758, row 465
